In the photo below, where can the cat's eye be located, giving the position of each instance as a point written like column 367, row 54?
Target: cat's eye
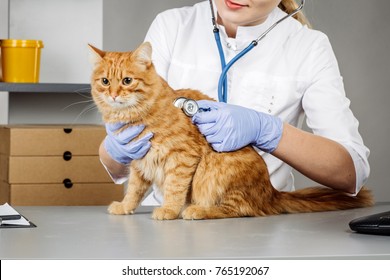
column 105, row 81
column 127, row 81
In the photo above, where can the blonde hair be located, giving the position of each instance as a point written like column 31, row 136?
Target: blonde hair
column 290, row 5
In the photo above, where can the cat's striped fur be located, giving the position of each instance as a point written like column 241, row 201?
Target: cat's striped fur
column 197, row 182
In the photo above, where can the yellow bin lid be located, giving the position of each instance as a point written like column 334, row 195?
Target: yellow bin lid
column 11, row 43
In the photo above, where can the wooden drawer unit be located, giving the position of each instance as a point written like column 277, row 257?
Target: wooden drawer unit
column 54, row 165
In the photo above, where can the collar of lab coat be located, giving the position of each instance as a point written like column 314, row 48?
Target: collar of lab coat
column 246, row 34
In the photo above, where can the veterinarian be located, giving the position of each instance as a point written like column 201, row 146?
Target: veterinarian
column 292, row 72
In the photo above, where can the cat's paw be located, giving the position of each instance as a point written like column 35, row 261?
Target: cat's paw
column 118, row 208
column 163, row 213
column 194, row 212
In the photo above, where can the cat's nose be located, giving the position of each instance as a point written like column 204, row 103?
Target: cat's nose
column 114, row 95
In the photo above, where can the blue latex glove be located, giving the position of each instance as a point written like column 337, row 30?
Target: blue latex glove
column 120, row 146
column 230, row 127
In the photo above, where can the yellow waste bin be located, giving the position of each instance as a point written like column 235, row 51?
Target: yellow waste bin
column 20, row 60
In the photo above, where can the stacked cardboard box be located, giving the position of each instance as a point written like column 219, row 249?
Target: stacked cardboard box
column 54, row 165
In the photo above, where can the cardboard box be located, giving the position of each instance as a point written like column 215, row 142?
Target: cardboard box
column 49, row 169
column 54, row 165
column 33, row 140
column 86, row 194
column 4, row 192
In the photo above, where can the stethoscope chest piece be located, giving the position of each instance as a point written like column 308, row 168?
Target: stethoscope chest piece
column 178, row 102
column 189, row 106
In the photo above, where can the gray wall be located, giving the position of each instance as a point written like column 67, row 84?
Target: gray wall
column 4, row 18
column 125, row 22
column 65, row 27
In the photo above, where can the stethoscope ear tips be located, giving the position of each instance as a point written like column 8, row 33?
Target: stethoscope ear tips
column 189, row 106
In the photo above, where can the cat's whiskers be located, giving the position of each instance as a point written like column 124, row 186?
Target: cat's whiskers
column 87, row 109
column 87, row 92
column 76, row 103
column 79, row 92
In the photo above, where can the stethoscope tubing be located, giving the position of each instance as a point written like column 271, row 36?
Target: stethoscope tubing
column 222, row 83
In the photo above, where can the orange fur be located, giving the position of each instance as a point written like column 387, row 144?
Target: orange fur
column 197, row 182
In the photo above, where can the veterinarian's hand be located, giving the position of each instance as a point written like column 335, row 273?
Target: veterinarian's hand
column 230, row 127
column 120, row 146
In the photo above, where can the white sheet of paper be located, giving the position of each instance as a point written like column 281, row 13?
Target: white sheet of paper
column 6, row 210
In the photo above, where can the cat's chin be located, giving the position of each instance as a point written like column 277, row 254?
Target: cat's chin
column 119, row 105
column 120, row 115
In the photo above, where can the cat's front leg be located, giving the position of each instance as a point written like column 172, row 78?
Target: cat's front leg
column 175, row 195
column 136, row 189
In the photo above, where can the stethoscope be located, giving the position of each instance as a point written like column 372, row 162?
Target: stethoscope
column 189, row 106
column 222, row 83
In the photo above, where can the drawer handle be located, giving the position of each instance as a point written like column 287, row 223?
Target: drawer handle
column 67, row 183
column 67, row 130
column 67, row 156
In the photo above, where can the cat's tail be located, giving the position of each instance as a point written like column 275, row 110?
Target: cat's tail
column 317, row 199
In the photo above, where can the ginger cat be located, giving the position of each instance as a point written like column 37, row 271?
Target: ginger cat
column 197, row 182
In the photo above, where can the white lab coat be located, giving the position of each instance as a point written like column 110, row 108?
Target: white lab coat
column 291, row 72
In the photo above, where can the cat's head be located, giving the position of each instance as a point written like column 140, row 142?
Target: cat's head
column 121, row 83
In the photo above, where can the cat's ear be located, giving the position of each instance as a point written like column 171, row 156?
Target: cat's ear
column 95, row 55
column 143, row 54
